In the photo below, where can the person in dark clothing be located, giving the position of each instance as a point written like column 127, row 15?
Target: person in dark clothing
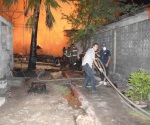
column 79, row 62
column 74, row 52
column 64, row 51
column 68, row 55
column 104, row 55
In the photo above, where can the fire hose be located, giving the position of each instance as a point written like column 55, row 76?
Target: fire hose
column 120, row 94
column 100, row 64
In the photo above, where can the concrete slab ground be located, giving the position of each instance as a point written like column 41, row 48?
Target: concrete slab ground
column 108, row 108
column 111, row 110
column 49, row 108
column 16, row 81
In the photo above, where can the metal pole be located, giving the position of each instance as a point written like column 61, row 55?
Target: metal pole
column 114, row 60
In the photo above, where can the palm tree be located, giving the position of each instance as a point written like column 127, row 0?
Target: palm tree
column 33, row 22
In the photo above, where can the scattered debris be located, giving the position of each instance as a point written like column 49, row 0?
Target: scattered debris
column 56, row 75
column 68, row 94
column 37, row 87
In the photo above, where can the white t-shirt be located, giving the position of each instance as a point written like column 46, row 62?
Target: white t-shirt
column 89, row 57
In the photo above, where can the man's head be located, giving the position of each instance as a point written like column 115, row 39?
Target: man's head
column 95, row 47
column 104, row 47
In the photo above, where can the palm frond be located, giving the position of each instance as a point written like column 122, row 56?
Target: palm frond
column 33, row 3
column 49, row 17
column 63, row 0
column 8, row 3
column 30, row 22
column 26, row 11
column 52, row 3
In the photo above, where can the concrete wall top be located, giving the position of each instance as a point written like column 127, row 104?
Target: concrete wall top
column 128, row 21
column 5, row 22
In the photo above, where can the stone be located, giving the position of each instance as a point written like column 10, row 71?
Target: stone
column 3, row 86
column 2, row 100
column 3, row 83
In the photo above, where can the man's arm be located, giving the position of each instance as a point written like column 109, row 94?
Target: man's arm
column 108, row 62
column 97, row 54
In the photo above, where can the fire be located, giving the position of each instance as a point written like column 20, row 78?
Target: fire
column 51, row 41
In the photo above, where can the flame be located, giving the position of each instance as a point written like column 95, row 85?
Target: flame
column 51, row 41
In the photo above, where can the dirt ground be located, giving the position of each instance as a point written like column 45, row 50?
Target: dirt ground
column 50, row 108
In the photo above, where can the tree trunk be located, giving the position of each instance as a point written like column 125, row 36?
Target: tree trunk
column 33, row 55
column 84, row 43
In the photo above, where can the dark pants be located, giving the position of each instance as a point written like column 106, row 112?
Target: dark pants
column 89, row 76
column 74, row 59
column 79, row 64
column 101, row 74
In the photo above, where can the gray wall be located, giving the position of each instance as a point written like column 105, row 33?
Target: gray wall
column 6, row 48
column 129, row 43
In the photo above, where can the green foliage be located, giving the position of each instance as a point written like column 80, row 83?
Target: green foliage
column 52, row 3
column 30, row 22
column 49, row 17
column 90, row 15
column 83, row 34
column 8, row 3
column 140, row 85
column 32, row 4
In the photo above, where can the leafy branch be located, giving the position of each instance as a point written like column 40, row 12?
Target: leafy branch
column 91, row 15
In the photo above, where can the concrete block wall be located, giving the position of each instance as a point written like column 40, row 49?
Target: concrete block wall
column 129, row 43
column 6, row 48
column 133, row 47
